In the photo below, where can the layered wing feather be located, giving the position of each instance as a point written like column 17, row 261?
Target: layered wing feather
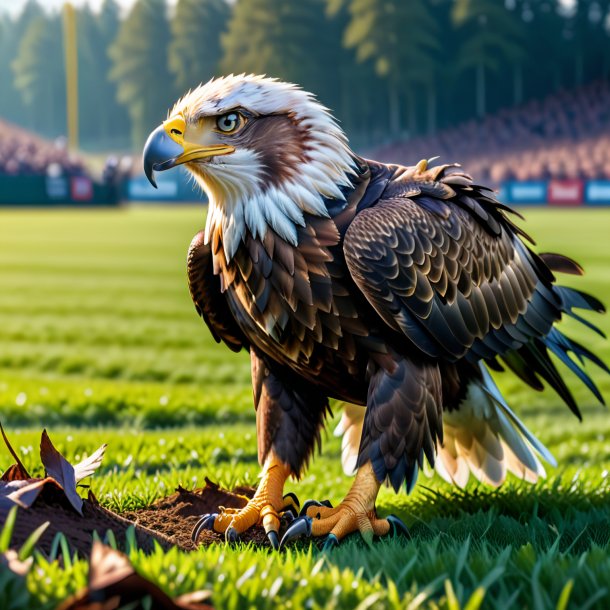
column 439, row 261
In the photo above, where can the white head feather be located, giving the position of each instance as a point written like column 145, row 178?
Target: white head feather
column 239, row 199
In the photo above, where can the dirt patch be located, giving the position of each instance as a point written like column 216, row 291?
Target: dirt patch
column 54, row 500
column 175, row 516
column 51, row 506
column 170, row 521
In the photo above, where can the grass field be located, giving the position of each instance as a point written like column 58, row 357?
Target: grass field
column 99, row 342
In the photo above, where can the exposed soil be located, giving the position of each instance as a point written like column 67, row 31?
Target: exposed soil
column 170, row 520
column 52, row 506
column 176, row 516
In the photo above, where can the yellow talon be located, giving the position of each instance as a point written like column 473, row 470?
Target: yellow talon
column 264, row 508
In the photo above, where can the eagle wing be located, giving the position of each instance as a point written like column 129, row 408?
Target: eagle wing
column 440, row 261
column 208, row 298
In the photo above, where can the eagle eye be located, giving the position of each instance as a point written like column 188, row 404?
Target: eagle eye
column 229, row 122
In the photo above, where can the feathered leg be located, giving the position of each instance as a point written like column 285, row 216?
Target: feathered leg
column 289, row 414
column 402, row 424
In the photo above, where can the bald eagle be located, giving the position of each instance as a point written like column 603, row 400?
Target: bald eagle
column 394, row 289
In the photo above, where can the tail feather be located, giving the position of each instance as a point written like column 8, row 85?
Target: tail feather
column 561, row 346
column 533, row 357
column 571, row 298
column 561, row 263
column 485, row 438
column 350, row 428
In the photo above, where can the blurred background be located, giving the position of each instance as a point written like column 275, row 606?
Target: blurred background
column 516, row 90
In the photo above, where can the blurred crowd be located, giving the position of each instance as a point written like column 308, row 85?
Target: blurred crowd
column 566, row 135
column 22, row 153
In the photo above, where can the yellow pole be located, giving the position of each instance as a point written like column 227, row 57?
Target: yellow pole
column 71, row 59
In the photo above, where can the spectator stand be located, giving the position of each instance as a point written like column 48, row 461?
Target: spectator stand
column 554, row 151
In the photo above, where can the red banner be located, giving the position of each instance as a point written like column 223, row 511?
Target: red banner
column 81, row 188
column 566, row 192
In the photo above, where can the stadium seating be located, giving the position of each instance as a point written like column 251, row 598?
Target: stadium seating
column 22, row 153
column 565, row 136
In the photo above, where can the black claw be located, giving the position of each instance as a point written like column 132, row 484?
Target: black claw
column 289, row 515
column 294, row 498
column 310, row 503
column 299, row 527
column 231, row 535
column 273, row 539
column 397, row 527
column 330, row 543
column 206, row 522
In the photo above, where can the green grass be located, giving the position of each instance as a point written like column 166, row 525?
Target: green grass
column 99, row 342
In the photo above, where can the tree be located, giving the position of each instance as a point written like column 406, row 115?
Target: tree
column 40, row 75
column 139, row 67
column 103, row 122
column 492, row 34
column 401, row 38
column 195, row 51
column 282, row 38
column 11, row 32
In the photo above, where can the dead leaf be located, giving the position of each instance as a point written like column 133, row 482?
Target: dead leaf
column 18, row 470
column 194, row 601
column 114, row 583
column 57, row 467
column 88, row 466
column 25, row 493
column 11, row 559
column 15, row 472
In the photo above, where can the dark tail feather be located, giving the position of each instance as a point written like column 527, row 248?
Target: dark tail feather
column 561, row 263
column 571, row 298
column 532, row 360
column 561, row 345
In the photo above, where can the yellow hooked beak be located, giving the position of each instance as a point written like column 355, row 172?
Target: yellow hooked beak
column 166, row 148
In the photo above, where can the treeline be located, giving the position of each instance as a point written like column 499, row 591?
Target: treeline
column 387, row 68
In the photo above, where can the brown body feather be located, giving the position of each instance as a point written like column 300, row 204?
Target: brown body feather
column 389, row 303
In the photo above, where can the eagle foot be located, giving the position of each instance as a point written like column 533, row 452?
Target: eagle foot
column 356, row 513
column 266, row 508
column 337, row 523
column 234, row 521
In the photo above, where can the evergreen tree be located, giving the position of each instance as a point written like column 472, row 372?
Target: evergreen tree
column 40, row 75
column 358, row 92
column 195, row 52
column 282, row 38
column 11, row 32
column 112, row 119
column 139, row 67
column 492, row 37
column 401, row 38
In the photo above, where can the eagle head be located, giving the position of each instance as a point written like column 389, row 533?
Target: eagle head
column 265, row 152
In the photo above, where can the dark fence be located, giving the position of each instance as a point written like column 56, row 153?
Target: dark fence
column 56, row 190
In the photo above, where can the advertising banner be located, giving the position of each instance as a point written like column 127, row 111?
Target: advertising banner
column 566, row 192
column 532, row 191
column 81, row 188
column 597, row 192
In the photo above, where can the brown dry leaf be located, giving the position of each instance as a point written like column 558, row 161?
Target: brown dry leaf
column 61, row 470
column 113, row 583
column 16, row 471
column 24, row 493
